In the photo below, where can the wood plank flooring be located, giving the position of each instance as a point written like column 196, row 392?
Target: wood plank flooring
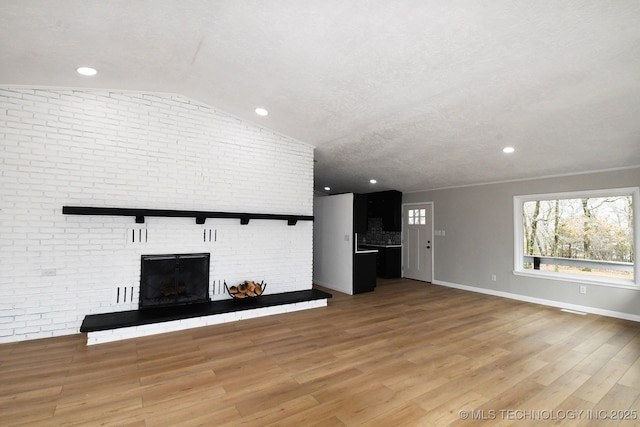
column 408, row 354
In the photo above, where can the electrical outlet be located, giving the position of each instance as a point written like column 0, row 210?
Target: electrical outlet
column 583, row 289
column 494, row 278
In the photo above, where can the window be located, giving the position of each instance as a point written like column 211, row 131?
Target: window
column 417, row 216
column 589, row 236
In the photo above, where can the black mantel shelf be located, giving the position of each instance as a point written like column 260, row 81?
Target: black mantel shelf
column 200, row 216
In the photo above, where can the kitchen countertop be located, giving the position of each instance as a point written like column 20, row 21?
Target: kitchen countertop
column 366, row 251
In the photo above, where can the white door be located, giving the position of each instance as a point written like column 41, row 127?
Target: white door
column 417, row 241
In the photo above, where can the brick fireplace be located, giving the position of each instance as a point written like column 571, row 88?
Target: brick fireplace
column 157, row 151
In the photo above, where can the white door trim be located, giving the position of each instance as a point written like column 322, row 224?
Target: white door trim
column 433, row 246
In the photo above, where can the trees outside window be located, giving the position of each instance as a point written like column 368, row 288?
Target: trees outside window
column 589, row 235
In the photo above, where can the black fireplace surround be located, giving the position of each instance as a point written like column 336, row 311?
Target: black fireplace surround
column 174, row 279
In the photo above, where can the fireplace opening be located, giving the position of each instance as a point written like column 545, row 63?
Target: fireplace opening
column 176, row 279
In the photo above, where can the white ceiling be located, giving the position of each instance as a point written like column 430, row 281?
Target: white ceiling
column 418, row 94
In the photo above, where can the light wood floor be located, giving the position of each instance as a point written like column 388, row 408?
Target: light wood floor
column 407, row 354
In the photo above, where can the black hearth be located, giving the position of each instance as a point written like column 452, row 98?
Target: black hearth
column 177, row 279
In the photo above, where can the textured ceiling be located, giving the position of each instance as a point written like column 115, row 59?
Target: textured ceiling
column 417, row 94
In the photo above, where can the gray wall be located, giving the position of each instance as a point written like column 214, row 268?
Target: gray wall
column 479, row 239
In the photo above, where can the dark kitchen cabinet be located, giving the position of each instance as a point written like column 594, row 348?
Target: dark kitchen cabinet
column 364, row 272
column 374, row 205
column 389, row 263
column 360, row 217
column 388, row 206
column 364, row 264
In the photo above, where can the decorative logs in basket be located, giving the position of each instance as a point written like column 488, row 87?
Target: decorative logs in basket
column 246, row 289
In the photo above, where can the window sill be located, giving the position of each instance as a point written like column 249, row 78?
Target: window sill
column 605, row 281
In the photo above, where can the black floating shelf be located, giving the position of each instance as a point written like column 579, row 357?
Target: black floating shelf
column 200, row 216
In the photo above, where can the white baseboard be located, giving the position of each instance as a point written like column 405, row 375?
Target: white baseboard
column 541, row 301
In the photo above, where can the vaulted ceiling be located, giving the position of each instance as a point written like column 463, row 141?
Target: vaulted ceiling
column 417, row 94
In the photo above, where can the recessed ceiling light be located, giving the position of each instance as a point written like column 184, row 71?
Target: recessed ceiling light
column 373, row 181
column 86, row 71
column 508, row 150
column 261, row 111
column 327, row 188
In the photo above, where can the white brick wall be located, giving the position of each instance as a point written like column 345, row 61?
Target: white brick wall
column 132, row 150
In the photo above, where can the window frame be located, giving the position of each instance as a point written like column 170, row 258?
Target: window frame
column 518, row 250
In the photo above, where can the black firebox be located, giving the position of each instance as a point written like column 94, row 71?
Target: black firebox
column 176, row 279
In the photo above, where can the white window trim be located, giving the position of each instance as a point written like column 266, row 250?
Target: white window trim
column 518, row 252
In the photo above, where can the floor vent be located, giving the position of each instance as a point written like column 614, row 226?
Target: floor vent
column 566, row 310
